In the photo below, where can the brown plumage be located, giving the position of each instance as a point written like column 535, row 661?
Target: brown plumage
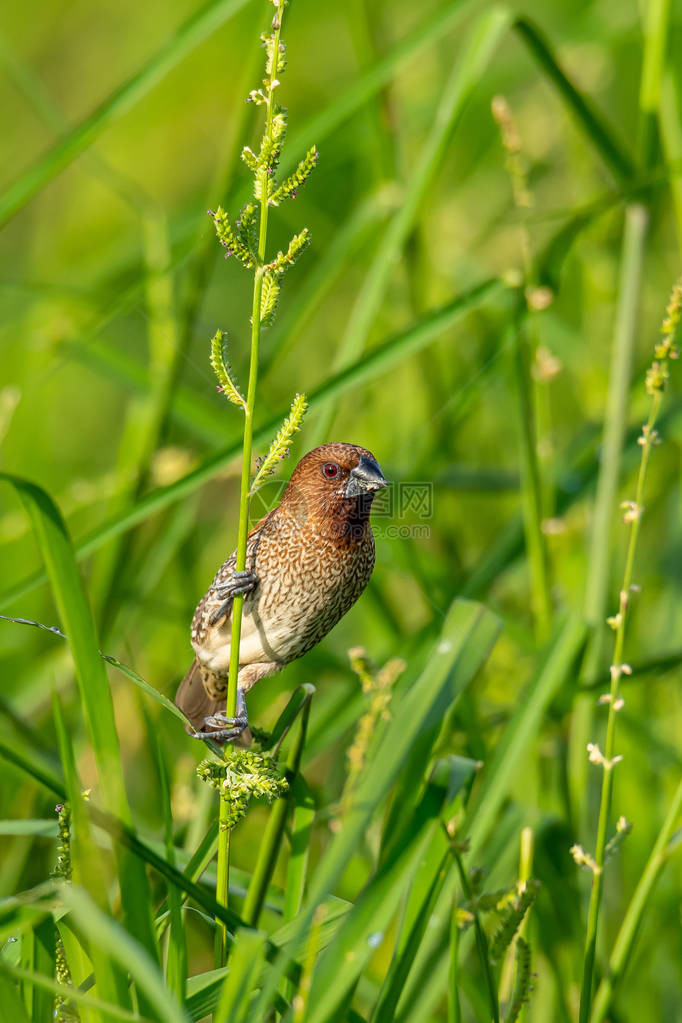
column 307, row 563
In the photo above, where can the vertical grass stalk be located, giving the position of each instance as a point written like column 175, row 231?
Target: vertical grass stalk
column 632, row 919
column 247, row 239
column 655, row 384
column 600, row 549
column 272, row 839
column 529, row 301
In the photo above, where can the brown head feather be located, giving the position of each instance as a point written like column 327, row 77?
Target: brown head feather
column 315, row 496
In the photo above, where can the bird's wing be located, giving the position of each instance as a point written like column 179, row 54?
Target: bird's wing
column 212, row 604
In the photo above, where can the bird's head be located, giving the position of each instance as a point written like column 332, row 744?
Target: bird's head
column 334, row 485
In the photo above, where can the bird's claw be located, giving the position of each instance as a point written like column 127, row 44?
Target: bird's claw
column 236, row 724
column 240, row 584
column 224, row 735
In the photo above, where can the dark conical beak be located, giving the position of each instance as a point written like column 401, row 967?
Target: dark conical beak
column 365, row 478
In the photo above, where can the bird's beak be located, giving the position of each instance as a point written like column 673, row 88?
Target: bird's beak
column 365, row 478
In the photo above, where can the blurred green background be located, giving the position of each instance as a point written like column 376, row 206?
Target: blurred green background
column 112, row 284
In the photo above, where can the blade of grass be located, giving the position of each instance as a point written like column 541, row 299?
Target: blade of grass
column 132, row 675
column 340, row 965
column 601, row 547
column 125, row 950
column 246, row 962
column 52, row 988
column 57, row 553
column 88, row 867
column 424, row 893
column 76, row 948
column 472, row 62
column 627, row 934
column 123, row 835
column 301, row 831
column 272, row 839
column 498, row 775
column 176, row 955
column 10, row 999
column 193, row 32
column 671, row 132
column 612, row 151
column 204, row 989
column 531, row 483
column 38, row 958
column 42, row 828
column 483, row 818
column 454, row 1007
column 424, row 703
column 364, row 220
column 365, row 85
column 380, row 360
column 656, row 19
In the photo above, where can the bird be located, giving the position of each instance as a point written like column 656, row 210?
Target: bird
column 307, row 562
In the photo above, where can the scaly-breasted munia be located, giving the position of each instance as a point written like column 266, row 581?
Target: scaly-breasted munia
column 307, row 562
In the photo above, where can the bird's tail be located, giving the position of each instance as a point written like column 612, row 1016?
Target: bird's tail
column 193, row 700
column 197, row 705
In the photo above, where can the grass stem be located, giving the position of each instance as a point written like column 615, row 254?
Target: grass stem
column 600, row 549
column 238, row 604
column 656, row 378
column 632, row 919
column 272, row 839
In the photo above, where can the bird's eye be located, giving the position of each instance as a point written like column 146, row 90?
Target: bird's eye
column 330, row 470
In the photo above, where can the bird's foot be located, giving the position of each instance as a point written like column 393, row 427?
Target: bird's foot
column 239, row 584
column 236, row 724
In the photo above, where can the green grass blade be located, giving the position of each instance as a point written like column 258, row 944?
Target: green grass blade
column 630, row 926
column 424, row 893
column 365, row 926
column 369, row 82
column 127, row 952
column 11, row 1001
column 363, row 221
column 531, row 481
column 42, row 828
column 89, row 867
column 498, row 775
column 466, row 75
column 52, row 988
column 46, row 168
column 145, row 418
column 608, row 480
column 123, row 835
column 57, row 553
column 470, row 661
column 38, row 957
column 657, row 18
column 110, row 659
column 76, row 949
column 612, row 151
column 246, row 962
column 274, row 832
column 37, row 766
column 380, row 360
column 301, row 831
column 671, row 132
column 419, row 709
column 176, row 956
